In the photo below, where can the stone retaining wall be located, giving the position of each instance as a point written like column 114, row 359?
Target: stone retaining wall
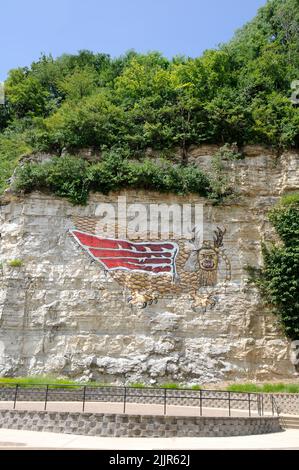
column 117, row 425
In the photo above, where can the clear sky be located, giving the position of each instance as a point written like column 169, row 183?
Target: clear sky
column 31, row 27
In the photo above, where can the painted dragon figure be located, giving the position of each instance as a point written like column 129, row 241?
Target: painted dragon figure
column 151, row 270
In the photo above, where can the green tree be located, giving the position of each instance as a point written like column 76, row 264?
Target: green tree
column 275, row 120
column 81, row 83
column 93, row 121
column 25, row 94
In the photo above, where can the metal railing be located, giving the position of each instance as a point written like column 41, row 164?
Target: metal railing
column 200, row 399
column 276, row 411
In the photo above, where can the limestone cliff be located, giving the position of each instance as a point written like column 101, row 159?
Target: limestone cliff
column 62, row 313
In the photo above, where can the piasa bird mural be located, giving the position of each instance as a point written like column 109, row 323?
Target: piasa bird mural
column 151, row 270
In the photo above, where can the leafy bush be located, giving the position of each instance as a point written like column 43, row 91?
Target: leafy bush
column 74, row 178
column 285, row 219
column 220, row 184
column 11, row 148
column 278, row 280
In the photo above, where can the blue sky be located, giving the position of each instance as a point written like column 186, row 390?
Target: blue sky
column 31, row 27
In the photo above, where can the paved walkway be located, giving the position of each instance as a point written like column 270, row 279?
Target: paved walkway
column 131, row 408
column 13, row 439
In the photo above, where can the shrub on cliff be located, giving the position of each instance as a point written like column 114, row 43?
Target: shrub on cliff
column 11, row 148
column 74, row 178
column 278, row 280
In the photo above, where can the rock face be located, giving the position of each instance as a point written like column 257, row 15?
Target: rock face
column 62, row 313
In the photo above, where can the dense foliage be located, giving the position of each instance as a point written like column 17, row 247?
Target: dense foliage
column 73, row 177
column 237, row 93
column 10, row 152
column 279, row 278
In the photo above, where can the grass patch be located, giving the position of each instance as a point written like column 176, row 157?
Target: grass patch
column 196, row 387
column 170, row 385
column 15, row 263
column 137, row 385
column 35, row 380
column 175, row 386
column 55, row 382
column 264, row 388
column 45, row 380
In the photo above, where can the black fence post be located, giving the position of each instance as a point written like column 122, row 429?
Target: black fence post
column 200, row 402
column 84, row 398
column 165, row 400
column 229, row 411
column 125, row 398
column 249, row 407
column 15, row 399
column 46, row 397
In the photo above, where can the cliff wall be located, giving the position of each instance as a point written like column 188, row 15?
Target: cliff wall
column 63, row 312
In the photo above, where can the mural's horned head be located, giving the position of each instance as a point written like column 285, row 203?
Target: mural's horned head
column 207, row 258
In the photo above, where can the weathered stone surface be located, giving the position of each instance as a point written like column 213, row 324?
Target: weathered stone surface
column 60, row 313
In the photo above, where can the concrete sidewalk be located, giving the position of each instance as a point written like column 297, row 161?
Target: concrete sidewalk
column 15, row 439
